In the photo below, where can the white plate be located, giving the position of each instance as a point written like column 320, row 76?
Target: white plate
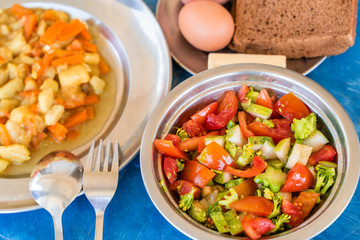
column 194, row 60
column 134, row 46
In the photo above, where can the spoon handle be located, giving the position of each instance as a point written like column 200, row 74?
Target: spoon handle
column 58, row 227
column 99, row 225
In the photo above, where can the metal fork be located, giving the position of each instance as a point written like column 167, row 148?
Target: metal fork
column 100, row 180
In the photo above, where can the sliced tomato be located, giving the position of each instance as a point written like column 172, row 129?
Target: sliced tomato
column 167, row 148
column 216, row 157
column 185, row 187
column 250, row 231
column 300, row 208
column 189, row 145
column 246, row 188
column 289, row 106
column 174, row 138
column 259, row 206
column 299, row 178
column 243, row 125
column 258, row 165
column 306, row 201
column 281, row 130
column 289, row 208
column 327, row 153
column 201, row 145
column 262, row 225
column 170, row 169
column 193, row 128
column 264, row 99
column 241, row 95
column 197, row 173
column 200, row 116
column 225, row 112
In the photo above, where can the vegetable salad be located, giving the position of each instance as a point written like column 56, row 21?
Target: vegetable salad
column 250, row 163
column 50, row 79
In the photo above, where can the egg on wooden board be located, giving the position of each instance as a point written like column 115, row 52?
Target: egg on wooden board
column 217, row 1
column 206, row 25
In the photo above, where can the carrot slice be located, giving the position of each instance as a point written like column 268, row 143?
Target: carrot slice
column 50, row 15
column 29, row 93
column 29, row 25
column 70, row 60
column 2, row 60
column 19, row 11
column 3, row 120
column 72, row 134
column 43, row 64
column 5, row 136
column 103, row 67
column 88, row 46
column 90, row 112
column 51, row 32
column 76, row 119
column 34, row 108
column 58, row 130
column 71, row 30
column 60, row 53
column 85, row 34
column 91, row 99
column 36, row 140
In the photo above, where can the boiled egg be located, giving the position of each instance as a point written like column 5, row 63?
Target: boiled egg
column 206, row 25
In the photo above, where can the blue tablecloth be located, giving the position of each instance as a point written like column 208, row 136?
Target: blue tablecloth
column 131, row 214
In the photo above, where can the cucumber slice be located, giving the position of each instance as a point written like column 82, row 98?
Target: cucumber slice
column 267, row 150
column 220, row 222
column 300, row 153
column 316, row 140
column 257, row 110
column 235, row 136
column 218, row 139
column 282, row 149
column 258, row 142
column 328, row 164
column 233, row 222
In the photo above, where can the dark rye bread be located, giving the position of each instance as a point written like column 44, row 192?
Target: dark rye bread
column 295, row 28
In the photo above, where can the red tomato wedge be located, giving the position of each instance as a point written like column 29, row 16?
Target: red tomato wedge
column 264, row 99
column 258, row 166
column 185, row 187
column 225, row 112
column 241, row 95
column 194, row 129
column 299, row 178
column 216, row 157
column 196, row 173
column 281, row 130
column 256, row 226
column 246, row 188
column 174, row 138
column 190, row 144
column 300, row 208
column 167, row 148
column 259, row 206
column 289, row 106
column 200, row 116
column 170, row 169
column 243, row 125
column 327, row 153
column 201, row 145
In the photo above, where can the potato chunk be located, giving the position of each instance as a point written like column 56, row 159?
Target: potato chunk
column 3, row 164
column 16, row 43
column 17, row 133
column 50, row 83
column 7, row 105
column 54, row 114
column 46, row 99
column 73, row 77
column 11, row 88
column 92, row 58
column 15, row 153
column 97, row 84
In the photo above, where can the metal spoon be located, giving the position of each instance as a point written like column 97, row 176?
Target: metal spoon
column 55, row 182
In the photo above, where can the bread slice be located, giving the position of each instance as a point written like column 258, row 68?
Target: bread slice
column 294, row 28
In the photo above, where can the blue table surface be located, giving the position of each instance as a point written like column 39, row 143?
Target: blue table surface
column 132, row 215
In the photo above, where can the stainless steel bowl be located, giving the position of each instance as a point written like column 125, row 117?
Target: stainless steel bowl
column 207, row 86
